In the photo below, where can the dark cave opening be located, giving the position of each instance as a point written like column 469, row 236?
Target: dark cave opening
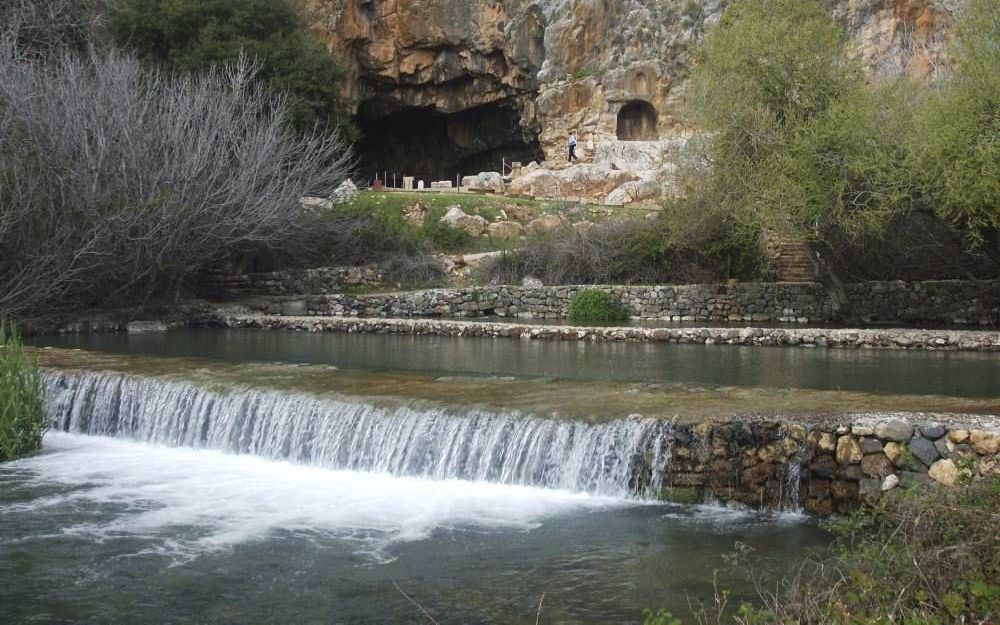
column 637, row 121
column 430, row 145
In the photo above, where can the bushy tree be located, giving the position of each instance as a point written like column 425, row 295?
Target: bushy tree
column 768, row 72
column 118, row 181
column 194, row 35
column 956, row 143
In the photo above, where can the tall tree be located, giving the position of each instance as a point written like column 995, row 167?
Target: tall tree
column 193, row 35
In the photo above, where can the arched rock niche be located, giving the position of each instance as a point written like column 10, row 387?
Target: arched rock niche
column 637, row 121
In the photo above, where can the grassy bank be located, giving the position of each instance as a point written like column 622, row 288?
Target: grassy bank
column 921, row 556
column 22, row 399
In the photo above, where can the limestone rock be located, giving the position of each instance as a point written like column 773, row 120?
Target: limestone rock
column 505, row 230
column 415, row 214
column 315, row 203
column 520, row 213
column 896, row 431
column 827, row 441
column 848, row 450
column 634, row 191
column 489, row 181
column 546, row 223
column 458, row 219
column 985, row 443
column 890, row 482
column 532, row 283
column 944, row 472
column 346, row 192
column 893, row 451
column 877, row 465
column 958, row 436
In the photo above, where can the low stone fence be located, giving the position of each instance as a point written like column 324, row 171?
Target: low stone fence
column 825, row 468
column 892, row 338
column 941, row 302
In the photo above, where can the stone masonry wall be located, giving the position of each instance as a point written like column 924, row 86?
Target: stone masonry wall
column 937, row 302
column 825, row 468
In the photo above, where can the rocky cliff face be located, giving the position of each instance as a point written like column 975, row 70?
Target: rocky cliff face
column 451, row 87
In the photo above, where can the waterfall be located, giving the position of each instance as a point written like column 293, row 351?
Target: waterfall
column 790, row 489
column 626, row 457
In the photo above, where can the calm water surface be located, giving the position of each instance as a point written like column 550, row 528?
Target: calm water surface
column 955, row 374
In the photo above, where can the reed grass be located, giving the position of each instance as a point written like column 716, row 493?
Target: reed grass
column 22, row 398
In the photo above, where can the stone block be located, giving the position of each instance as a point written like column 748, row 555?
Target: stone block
column 896, row 431
column 924, row 450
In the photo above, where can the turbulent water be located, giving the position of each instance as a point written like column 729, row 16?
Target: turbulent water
column 619, row 458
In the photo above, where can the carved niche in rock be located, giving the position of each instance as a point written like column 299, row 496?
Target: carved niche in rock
column 637, row 121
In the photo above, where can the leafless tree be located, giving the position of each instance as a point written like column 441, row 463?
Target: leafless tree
column 117, row 182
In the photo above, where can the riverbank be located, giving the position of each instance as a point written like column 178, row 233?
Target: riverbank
column 888, row 338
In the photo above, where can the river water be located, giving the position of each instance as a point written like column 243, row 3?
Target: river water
column 258, row 477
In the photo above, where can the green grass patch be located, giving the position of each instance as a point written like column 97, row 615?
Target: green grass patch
column 597, row 307
column 22, row 399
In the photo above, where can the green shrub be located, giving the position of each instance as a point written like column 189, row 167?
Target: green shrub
column 592, row 306
column 22, row 399
column 920, row 556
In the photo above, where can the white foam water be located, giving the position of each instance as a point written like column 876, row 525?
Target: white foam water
column 621, row 458
column 190, row 501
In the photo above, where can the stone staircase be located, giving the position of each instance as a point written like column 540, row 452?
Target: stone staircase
column 789, row 258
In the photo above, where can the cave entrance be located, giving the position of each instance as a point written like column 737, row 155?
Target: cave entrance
column 637, row 121
column 430, row 145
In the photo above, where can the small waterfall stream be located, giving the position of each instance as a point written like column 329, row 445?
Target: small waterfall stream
column 629, row 457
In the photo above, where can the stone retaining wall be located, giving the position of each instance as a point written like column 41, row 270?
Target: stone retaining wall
column 290, row 282
column 940, row 302
column 825, row 468
column 964, row 340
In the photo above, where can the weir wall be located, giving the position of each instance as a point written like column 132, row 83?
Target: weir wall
column 823, row 468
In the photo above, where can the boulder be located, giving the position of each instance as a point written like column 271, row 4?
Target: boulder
column 634, row 191
column 346, row 192
column 924, row 450
column 546, row 223
column 896, row 431
column 871, row 446
column 848, row 450
column 932, row 431
column 532, row 283
column 315, row 203
column 877, row 465
column 458, row 219
column 520, row 213
column 488, row 181
column 985, row 443
column 505, row 230
column 944, row 472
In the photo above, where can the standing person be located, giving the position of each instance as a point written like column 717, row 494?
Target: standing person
column 572, row 147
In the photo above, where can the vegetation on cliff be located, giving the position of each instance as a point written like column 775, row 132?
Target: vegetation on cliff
column 798, row 140
column 22, row 399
